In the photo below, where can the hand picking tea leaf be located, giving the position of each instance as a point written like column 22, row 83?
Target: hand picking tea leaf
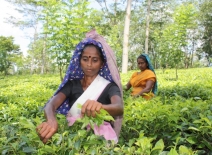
column 102, row 116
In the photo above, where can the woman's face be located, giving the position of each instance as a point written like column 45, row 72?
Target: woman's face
column 90, row 61
column 142, row 65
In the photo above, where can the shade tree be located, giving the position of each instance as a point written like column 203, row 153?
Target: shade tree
column 9, row 53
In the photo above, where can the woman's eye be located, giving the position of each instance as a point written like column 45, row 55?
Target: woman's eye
column 140, row 63
column 95, row 60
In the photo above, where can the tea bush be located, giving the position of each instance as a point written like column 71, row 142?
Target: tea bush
column 177, row 121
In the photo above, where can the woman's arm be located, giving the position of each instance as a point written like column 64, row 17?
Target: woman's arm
column 116, row 107
column 147, row 89
column 48, row 128
column 90, row 107
column 127, row 86
column 52, row 106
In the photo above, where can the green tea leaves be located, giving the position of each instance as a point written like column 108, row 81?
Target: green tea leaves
column 102, row 116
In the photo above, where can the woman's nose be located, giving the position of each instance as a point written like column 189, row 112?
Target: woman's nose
column 89, row 63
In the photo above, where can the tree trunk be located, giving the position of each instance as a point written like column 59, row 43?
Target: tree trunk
column 43, row 66
column 147, row 26
column 61, row 74
column 126, row 38
column 33, row 51
column 192, row 52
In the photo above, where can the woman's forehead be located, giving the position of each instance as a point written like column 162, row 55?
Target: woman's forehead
column 141, row 60
column 90, row 51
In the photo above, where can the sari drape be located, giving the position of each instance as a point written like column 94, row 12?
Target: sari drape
column 138, row 82
column 92, row 93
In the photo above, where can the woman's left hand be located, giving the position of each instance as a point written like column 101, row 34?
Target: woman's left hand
column 90, row 108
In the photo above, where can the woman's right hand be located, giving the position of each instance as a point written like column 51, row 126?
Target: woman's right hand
column 46, row 130
column 127, row 86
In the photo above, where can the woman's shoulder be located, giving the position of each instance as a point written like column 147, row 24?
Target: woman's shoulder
column 112, row 84
column 134, row 74
column 74, row 81
column 113, row 89
column 149, row 71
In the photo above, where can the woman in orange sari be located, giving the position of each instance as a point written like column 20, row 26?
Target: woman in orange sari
column 143, row 83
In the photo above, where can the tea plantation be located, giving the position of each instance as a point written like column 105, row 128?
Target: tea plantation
column 177, row 121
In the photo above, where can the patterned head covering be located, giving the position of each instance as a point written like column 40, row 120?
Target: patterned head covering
column 109, row 71
column 150, row 66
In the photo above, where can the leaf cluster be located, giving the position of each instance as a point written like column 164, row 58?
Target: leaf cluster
column 98, row 120
column 171, row 123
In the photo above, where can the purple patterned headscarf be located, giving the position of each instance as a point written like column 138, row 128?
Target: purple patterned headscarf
column 109, row 71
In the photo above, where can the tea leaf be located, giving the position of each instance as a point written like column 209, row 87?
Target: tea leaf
column 102, row 116
column 193, row 128
column 185, row 150
column 172, row 152
column 192, row 140
column 29, row 149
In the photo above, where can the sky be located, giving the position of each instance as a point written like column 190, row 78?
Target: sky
column 6, row 29
column 21, row 37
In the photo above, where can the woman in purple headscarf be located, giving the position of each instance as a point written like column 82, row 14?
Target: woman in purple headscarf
column 92, row 79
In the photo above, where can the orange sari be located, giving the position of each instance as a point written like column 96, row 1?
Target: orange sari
column 138, row 82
